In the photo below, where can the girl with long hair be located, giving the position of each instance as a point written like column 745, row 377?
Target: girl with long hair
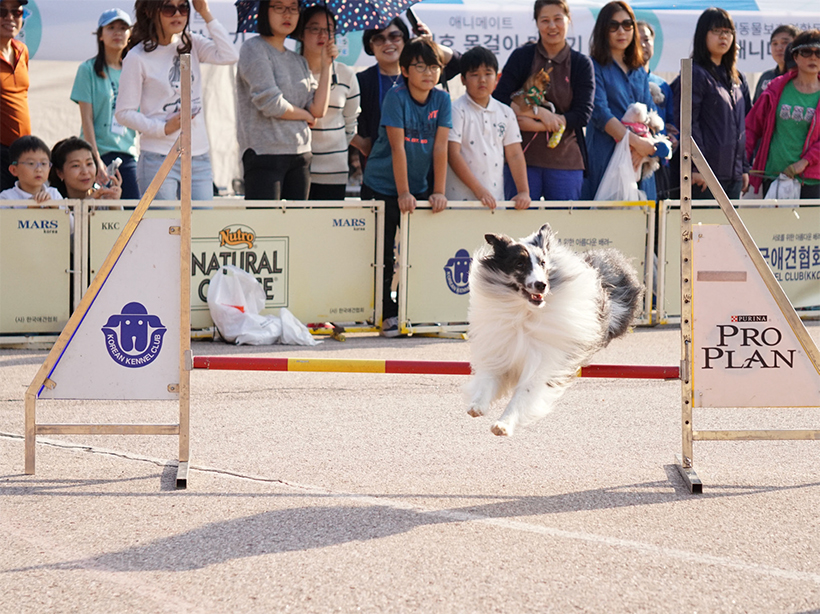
column 620, row 80
column 278, row 101
column 330, row 135
column 720, row 101
column 149, row 99
column 95, row 91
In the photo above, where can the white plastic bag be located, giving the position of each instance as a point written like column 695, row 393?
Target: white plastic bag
column 618, row 182
column 235, row 299
column 784, row 188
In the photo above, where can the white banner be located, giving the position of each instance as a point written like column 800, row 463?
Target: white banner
column 745, row 352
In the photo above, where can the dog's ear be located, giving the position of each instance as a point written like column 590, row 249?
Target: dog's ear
column 544, row 237
column 497, row 240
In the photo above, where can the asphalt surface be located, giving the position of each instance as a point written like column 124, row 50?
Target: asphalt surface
column 328, row 492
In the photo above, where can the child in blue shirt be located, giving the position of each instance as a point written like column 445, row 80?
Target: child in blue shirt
column 416, row 120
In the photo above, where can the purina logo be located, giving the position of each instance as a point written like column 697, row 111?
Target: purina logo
column 133, row 338
column 243, row 236
column 457, row 272
column 750, row 318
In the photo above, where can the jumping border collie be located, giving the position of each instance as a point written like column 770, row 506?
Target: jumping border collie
column 538, row 312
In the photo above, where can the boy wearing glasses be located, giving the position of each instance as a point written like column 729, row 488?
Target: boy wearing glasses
column 485, row 133
column 415, row 122
column 31, row 162
column 14, row 82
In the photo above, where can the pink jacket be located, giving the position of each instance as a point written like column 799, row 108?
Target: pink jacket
column 760, row 125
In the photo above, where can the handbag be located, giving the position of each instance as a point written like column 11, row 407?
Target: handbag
column 784, row 188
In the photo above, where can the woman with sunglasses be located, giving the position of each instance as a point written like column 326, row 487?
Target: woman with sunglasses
column 720, row 101
column 620, row 80
column 386, row 44
column 554, row 173
column 149, row 97
column 278, row 101
column 785, row 122
column 330, row 135
column 95, row 91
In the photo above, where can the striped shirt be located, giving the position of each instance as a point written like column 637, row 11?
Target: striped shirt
column 332, row 133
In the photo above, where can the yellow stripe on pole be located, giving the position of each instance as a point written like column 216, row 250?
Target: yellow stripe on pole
column 336, row 365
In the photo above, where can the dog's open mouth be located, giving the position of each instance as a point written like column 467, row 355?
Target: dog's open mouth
column 535, row 298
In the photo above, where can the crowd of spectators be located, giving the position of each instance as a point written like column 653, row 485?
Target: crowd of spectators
column 299, row 113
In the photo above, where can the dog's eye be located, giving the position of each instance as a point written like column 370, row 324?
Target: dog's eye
column 522, row 263
column 542, row 262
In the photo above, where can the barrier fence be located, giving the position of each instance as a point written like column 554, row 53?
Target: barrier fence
column 320, row 260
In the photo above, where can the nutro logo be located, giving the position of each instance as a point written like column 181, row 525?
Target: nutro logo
column 243, row 236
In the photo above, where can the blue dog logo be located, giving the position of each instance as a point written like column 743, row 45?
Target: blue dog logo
column 457, row 272
column 133, row 338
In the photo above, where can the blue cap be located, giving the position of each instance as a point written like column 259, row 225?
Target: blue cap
column 112, row 15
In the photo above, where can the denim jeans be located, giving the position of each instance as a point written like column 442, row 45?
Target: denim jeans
column 202, row 181
column 551, row 183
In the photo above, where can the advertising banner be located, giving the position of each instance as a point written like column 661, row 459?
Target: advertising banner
column 35, row 270
column 127, row 346
column 440, row 248
column 788, row 238
column 317, row 262
column 745, row 352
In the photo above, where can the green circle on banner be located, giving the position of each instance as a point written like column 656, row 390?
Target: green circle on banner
column 32, row 32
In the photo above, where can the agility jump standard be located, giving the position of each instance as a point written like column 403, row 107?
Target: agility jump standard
column 423, row 367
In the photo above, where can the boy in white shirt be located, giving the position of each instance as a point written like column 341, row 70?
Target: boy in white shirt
column 30, row 164
column 485, row 133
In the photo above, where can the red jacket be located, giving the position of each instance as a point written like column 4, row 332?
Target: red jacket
column 760, row 126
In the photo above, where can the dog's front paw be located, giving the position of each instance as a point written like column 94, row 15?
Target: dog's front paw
column 502, row 429
column 475, row 412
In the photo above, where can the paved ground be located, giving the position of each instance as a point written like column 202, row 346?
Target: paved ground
column 377, row 493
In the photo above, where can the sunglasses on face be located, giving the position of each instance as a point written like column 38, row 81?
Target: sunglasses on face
column 16, row 13
column 169, row 10
column 626, row 24
column 380, row 39
column 807, row 53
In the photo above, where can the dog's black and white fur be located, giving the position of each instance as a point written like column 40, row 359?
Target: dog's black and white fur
column 538, row 312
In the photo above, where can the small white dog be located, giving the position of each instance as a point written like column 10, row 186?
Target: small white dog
column 649, row 124
column 538, row 312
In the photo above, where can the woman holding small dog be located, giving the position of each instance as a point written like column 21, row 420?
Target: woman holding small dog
column 554, row 172
column 620, row 80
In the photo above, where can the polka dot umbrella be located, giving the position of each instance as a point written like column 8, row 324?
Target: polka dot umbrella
column 351, row 15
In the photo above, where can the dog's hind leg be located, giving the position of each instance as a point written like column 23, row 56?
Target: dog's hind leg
column 530, row 402
column 481, row 390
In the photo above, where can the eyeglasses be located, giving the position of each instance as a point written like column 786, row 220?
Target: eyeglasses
column 421, row 67
column 16, row 13
column 33, row 165
column 380, row 39
column 721, row 32
column 169, row 10
column 626, row 24
column 808, row 52
column 317, row 30
column 282, row 9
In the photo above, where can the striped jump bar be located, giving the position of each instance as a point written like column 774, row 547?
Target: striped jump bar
column 425, row 367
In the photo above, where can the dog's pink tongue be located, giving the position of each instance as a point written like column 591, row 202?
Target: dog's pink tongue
column 537, row 297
